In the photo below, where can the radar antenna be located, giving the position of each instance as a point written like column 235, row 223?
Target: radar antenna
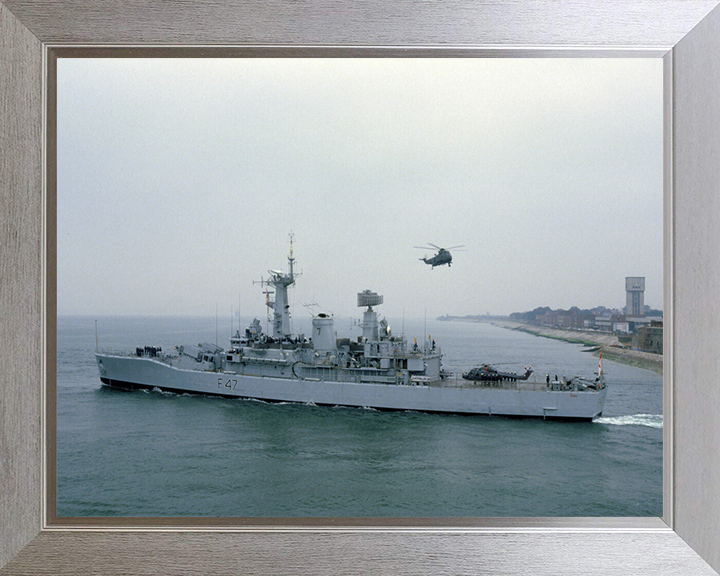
column 370, row 322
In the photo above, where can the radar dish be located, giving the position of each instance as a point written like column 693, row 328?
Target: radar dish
column 369, row 298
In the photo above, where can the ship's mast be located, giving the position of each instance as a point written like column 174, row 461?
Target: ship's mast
column 281, row 305
column 370, row 321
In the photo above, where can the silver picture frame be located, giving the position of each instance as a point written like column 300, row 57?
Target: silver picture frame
column 685, row 33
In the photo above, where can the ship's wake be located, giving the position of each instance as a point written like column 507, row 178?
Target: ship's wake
column 649, row 420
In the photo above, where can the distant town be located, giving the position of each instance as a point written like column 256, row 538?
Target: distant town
column 636, row 326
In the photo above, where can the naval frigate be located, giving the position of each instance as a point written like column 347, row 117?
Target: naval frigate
column 377, row 370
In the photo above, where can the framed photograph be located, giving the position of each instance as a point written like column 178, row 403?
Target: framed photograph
column 217, row 159
column 678, row 33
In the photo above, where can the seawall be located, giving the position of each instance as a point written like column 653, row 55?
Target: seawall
column 609, row 343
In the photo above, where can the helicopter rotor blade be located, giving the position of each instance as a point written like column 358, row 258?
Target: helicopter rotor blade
column 434, row 246
column 455, row 247
column 423, row 247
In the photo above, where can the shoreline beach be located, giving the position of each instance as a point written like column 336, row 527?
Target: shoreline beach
column 608, row 343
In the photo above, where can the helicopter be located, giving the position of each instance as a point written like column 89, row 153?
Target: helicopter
column 488, row 373
column 442, row 257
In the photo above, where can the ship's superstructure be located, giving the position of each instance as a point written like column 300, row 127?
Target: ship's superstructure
column 377, row 369
column 280, row 305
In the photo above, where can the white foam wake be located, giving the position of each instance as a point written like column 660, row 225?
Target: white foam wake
column 163, row 392
column 649, row 420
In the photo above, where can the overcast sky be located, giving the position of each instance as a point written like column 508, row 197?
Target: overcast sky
column 179, row 181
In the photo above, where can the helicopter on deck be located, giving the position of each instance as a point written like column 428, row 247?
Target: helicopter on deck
column 487, row 373
column 443, row 255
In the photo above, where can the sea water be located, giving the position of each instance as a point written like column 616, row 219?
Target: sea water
column 149, row 453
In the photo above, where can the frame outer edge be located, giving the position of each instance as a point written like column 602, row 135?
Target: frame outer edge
column 375, row 22
column 400, row 553
column 20, row 284
column 696, row 175
column 20, row 233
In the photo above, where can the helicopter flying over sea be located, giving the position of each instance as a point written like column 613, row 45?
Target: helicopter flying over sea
column 442, row 257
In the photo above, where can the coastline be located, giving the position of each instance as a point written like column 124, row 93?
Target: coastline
column 608, row 343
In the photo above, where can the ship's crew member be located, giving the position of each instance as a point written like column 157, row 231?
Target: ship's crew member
column 547, row 379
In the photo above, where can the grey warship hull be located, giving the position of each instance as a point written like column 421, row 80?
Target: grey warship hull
column 448, row 396
column 376, row 370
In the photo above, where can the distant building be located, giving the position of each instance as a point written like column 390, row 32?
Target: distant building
column 635, row 291
column 621, row 326
column 649, row 338
column 614, row 321
column 637, row 322
column 604, row 322
column 571, row 319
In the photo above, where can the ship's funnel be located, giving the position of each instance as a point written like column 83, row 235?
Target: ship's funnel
column 323, row 333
